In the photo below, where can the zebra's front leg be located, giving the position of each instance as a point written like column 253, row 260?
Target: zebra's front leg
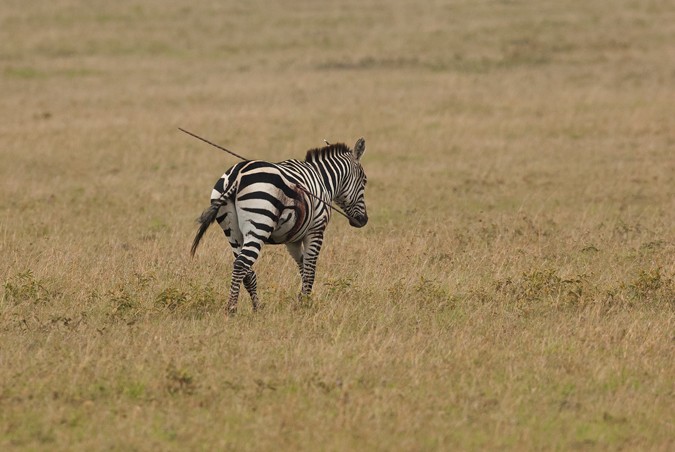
column 312, row 246
column 295, row 250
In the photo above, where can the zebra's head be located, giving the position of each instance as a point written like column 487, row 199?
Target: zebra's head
column 351, row 197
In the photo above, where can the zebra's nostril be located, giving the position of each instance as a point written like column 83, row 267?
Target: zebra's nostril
column 359, row 221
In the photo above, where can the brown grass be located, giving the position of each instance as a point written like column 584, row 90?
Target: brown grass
column 515, row 287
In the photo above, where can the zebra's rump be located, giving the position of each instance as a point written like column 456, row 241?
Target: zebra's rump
column 264, row 199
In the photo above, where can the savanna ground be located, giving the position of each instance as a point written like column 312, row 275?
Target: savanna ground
column 514, row 288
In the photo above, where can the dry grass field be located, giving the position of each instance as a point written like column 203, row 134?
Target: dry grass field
column 514, row 288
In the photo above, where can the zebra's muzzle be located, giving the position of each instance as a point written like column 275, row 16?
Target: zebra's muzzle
column 359, row 221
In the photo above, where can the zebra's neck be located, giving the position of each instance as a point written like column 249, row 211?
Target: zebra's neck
column 332, row 165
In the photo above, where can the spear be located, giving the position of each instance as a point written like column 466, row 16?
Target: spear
column 245, row 159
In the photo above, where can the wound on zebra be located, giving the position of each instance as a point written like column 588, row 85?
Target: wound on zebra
column 257, row 203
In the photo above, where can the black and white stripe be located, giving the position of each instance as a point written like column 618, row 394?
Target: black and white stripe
column 257, row 202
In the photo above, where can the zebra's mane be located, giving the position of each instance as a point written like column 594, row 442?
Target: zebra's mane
column 332, row 150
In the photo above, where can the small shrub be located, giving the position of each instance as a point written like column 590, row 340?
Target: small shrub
column 426, row 293
column 431, row 291
column 170, row 299
column 337, row 285
column 647, row 282
column 24, row 287
column 546, row 285
column 203, row 300
column 197, row 301
column 179, row 381
column 124, row 306
column 651, row 285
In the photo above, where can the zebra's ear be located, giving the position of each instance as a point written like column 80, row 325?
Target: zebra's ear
column 359, row 148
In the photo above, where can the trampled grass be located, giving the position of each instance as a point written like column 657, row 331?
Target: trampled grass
column 515, row 285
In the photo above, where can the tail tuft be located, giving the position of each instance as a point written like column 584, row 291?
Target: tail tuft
column 209, row 215
column 205, row 219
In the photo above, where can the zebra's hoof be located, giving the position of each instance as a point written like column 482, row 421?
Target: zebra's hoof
column 255, row 304
column 305, row 300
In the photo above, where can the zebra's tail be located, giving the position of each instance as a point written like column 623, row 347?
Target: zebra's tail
column 205, row 219
column 209, row 216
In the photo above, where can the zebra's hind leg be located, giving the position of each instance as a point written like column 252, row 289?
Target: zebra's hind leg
column 245, row 259
column 239, row 271
column 251, row 284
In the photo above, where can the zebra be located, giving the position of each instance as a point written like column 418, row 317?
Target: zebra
column 257, row 202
